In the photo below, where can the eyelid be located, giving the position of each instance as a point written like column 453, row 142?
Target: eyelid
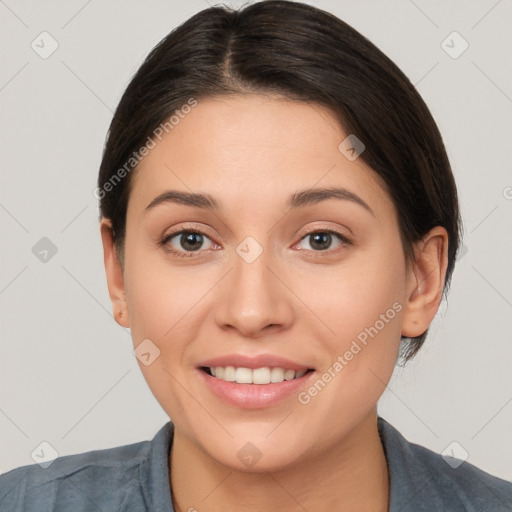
column 192, row 227
column 325, row 229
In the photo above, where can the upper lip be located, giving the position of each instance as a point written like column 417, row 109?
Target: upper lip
column 253, row 362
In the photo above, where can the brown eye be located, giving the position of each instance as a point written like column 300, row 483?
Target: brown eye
column 185, row 242
column 323, row 240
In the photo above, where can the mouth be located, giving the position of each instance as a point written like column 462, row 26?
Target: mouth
column 254, row 381
column 259, row 376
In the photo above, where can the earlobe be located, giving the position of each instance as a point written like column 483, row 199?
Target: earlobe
column 115, row 276
column 425, row 282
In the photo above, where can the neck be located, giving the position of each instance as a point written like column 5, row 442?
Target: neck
column 352, row 476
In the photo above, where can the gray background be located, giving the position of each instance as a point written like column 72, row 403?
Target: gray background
column 67, row 371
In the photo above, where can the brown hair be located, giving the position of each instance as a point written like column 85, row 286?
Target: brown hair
column 303, row 53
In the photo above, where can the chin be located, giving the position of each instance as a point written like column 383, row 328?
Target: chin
column 255, row 461
column 257, row 453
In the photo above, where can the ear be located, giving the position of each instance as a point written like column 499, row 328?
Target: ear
column 425, row 282
column 115, row 276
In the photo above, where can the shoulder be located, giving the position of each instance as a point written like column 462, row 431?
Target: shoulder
column 105, row 479
column 420, row 477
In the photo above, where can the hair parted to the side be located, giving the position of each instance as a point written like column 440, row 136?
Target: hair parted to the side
column 306, row 54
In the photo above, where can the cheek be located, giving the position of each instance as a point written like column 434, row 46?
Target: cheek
column 364, row 309
column 167, row 304
column 362, row 304
column 156, row 293
column 366, row 289
column 159, row 301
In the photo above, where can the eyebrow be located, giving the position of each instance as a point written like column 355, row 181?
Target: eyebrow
column 296, row 200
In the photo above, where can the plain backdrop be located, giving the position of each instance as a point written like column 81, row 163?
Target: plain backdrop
column 68, row 375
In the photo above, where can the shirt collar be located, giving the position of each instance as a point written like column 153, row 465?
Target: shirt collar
column 155, row 477
column 410, row 485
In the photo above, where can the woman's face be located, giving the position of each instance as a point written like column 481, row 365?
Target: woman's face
column 280, row 274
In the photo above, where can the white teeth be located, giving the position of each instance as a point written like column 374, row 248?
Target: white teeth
column 289, row 374
column 276, row 375
column 229, row 374
column 263, row 375
column 243, row 375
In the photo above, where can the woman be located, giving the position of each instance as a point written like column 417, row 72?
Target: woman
column 279, row 223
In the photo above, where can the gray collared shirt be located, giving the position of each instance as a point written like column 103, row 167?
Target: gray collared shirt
column 135, row 478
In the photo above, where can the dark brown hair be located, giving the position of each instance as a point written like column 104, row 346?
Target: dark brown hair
column 303, row 53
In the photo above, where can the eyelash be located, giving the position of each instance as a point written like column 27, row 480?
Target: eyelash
column 180, row 254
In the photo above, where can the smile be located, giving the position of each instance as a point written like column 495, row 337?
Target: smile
column 261, row 376
column 253, row 388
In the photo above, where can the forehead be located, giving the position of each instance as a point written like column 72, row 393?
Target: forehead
column 255, row 148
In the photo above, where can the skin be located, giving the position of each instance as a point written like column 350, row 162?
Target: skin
column 251, row 152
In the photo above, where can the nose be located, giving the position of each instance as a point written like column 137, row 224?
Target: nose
column 253, row 300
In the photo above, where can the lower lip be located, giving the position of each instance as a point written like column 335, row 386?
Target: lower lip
column 253, row 396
